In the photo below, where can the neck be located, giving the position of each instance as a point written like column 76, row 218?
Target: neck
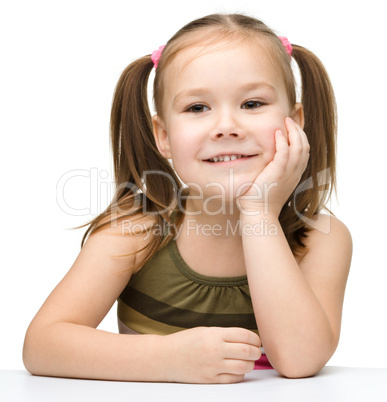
column 211, row 219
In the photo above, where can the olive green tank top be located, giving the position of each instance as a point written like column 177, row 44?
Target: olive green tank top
column 167, row 296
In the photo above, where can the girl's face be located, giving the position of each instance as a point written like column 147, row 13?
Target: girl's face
column 222, row 105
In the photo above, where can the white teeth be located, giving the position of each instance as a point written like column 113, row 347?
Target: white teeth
column 225, row 158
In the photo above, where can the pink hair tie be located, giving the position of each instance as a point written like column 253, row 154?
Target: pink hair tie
column 156, row 55
column 286, row 44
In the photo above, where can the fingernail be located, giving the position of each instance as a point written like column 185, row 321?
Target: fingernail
column 290, row 120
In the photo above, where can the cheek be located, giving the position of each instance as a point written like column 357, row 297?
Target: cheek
column 183, row 143
column 265, row 128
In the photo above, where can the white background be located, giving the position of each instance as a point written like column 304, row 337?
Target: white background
column 60, row 63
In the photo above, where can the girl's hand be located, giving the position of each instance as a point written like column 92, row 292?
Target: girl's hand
column 211, row 354
column 273, row 186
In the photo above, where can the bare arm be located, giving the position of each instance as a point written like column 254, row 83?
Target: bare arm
column 63, row 341
column 298, row 307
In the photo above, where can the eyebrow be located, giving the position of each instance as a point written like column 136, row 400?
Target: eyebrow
column 250, row 86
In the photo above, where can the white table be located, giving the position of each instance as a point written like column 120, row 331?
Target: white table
column 330, row 385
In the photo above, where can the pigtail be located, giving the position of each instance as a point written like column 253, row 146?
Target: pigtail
column 136, row 157
column 145, row 181
column 130, row 124
column 319, row 179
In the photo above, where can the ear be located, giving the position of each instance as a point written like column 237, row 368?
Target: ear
column 298, row 114
column 161, row 137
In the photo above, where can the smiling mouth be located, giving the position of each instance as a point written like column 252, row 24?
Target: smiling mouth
column 227, row 158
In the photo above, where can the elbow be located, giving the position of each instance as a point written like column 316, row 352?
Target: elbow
column 28, row 362
column 304, row 362
column 31, row 351
column 296, row 371
column 301, row 366
column 28, row 354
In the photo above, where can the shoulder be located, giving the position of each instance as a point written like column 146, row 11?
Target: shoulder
column 121, row 242
column 99, row 274
column 328, row 240
column 328, row 229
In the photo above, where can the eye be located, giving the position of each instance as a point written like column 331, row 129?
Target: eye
column 198, row 108
column 252, row 104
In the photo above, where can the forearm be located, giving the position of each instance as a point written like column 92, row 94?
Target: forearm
column 293, row 326
column 71, row 350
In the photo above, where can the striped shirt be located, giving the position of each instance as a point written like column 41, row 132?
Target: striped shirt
column 167, row 296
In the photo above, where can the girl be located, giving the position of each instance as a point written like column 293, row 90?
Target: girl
column 240, row 256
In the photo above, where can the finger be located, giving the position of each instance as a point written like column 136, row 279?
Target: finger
column 242, row 351
column 299, row 146
column 241, row 335
column 306, row 148
column 228, row 378
column 304, row 138
column 281, row 156
column 295, row 139
column 292, row 125
column 238, row 367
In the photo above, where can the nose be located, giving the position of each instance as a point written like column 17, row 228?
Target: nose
column 227, row 126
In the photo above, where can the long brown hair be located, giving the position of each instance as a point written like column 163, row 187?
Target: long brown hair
column 135, row 152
